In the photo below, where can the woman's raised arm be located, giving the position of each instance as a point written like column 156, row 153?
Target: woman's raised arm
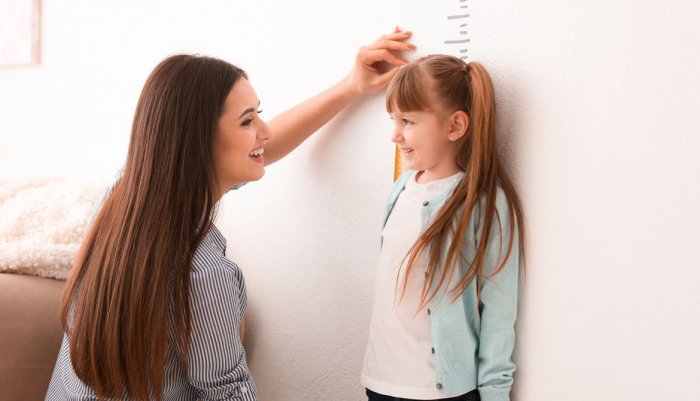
column 292, row 127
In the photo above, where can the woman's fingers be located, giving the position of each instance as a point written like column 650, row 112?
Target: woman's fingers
column 376, row 63
column 391, row 45
column 396, row 35
column 383, row 79
column 371, row 56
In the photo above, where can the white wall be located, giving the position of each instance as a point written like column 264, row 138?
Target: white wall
column 600, row 100
column 598, row 110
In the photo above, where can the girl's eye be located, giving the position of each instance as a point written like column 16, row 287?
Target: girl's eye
column 403, row 121
column 260, row 111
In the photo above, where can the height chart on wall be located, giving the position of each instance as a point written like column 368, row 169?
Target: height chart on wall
column 438, row 27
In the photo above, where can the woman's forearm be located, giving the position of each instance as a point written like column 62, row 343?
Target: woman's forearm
column 292, row 127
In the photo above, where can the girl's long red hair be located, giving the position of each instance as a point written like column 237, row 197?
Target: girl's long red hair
column 445, row 84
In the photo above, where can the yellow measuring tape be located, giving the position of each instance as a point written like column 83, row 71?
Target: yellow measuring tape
column 397, row 164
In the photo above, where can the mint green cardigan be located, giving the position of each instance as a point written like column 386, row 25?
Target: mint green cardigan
column 475, row 350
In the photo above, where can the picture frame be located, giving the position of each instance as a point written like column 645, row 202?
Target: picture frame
column 20, row 32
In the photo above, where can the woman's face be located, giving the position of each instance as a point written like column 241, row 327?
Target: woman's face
column 239, row 140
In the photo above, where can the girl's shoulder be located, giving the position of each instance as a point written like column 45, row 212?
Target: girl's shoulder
column 404, row 177
column 502, row 209
column 400, row 184
column 501, row 199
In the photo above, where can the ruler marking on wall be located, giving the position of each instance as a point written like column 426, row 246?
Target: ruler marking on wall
column 454, row 42
column 462, row 33
column 460, row 40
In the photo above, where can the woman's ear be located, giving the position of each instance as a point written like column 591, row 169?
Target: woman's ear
column 458, row 125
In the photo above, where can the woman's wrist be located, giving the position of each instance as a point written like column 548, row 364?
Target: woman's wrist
column 348, row 89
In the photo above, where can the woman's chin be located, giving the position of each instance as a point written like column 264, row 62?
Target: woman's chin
column 261, row 175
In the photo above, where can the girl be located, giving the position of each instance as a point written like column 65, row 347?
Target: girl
column 152, row 308
column 446, row 292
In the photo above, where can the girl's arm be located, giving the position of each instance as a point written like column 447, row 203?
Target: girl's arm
column 292, row 127
column 498, row 309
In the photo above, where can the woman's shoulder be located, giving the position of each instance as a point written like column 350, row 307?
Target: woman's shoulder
column 210, row 256
column 214, row 278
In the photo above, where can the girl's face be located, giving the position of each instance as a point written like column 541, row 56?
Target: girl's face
column 425, row 143
column 239, row 140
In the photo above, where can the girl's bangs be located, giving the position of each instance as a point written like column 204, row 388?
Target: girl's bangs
column 407, row 91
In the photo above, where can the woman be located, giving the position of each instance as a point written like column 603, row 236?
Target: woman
column 152, row 309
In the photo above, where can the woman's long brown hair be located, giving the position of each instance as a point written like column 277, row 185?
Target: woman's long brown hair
column 451, row 85
column 130, row 280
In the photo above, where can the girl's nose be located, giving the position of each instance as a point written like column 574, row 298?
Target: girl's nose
column 396, row 135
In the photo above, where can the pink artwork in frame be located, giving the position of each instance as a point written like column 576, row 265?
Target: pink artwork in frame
column 19, row 32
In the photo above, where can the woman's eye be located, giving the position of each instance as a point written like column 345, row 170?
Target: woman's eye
column 247, row 122
column 260, row 111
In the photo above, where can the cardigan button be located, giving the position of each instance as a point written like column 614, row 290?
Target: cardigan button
column 425, row 203
column 438, row 386
column 432, row 350
column 428, row 310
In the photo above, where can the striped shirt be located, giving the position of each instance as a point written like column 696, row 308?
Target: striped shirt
column 217, row 368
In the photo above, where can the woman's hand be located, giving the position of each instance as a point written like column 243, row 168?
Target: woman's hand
column 377, row 63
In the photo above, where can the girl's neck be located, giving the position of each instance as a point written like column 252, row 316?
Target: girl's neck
column 425, row 176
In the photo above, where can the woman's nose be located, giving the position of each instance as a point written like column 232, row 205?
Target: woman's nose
column 264, row 133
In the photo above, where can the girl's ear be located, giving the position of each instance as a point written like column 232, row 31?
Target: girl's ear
column 458, row 125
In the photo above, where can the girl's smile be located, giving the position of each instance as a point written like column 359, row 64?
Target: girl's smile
column 423, row 139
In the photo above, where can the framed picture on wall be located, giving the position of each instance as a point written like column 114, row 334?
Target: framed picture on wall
column 19, row 32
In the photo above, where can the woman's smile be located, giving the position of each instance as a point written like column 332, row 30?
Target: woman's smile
column 257, row 154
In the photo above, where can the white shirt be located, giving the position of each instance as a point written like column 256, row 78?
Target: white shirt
column 398, row 360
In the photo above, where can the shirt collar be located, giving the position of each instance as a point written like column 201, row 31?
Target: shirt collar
column 217, row 238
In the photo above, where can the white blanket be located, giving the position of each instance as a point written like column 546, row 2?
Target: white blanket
column 42, row 223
